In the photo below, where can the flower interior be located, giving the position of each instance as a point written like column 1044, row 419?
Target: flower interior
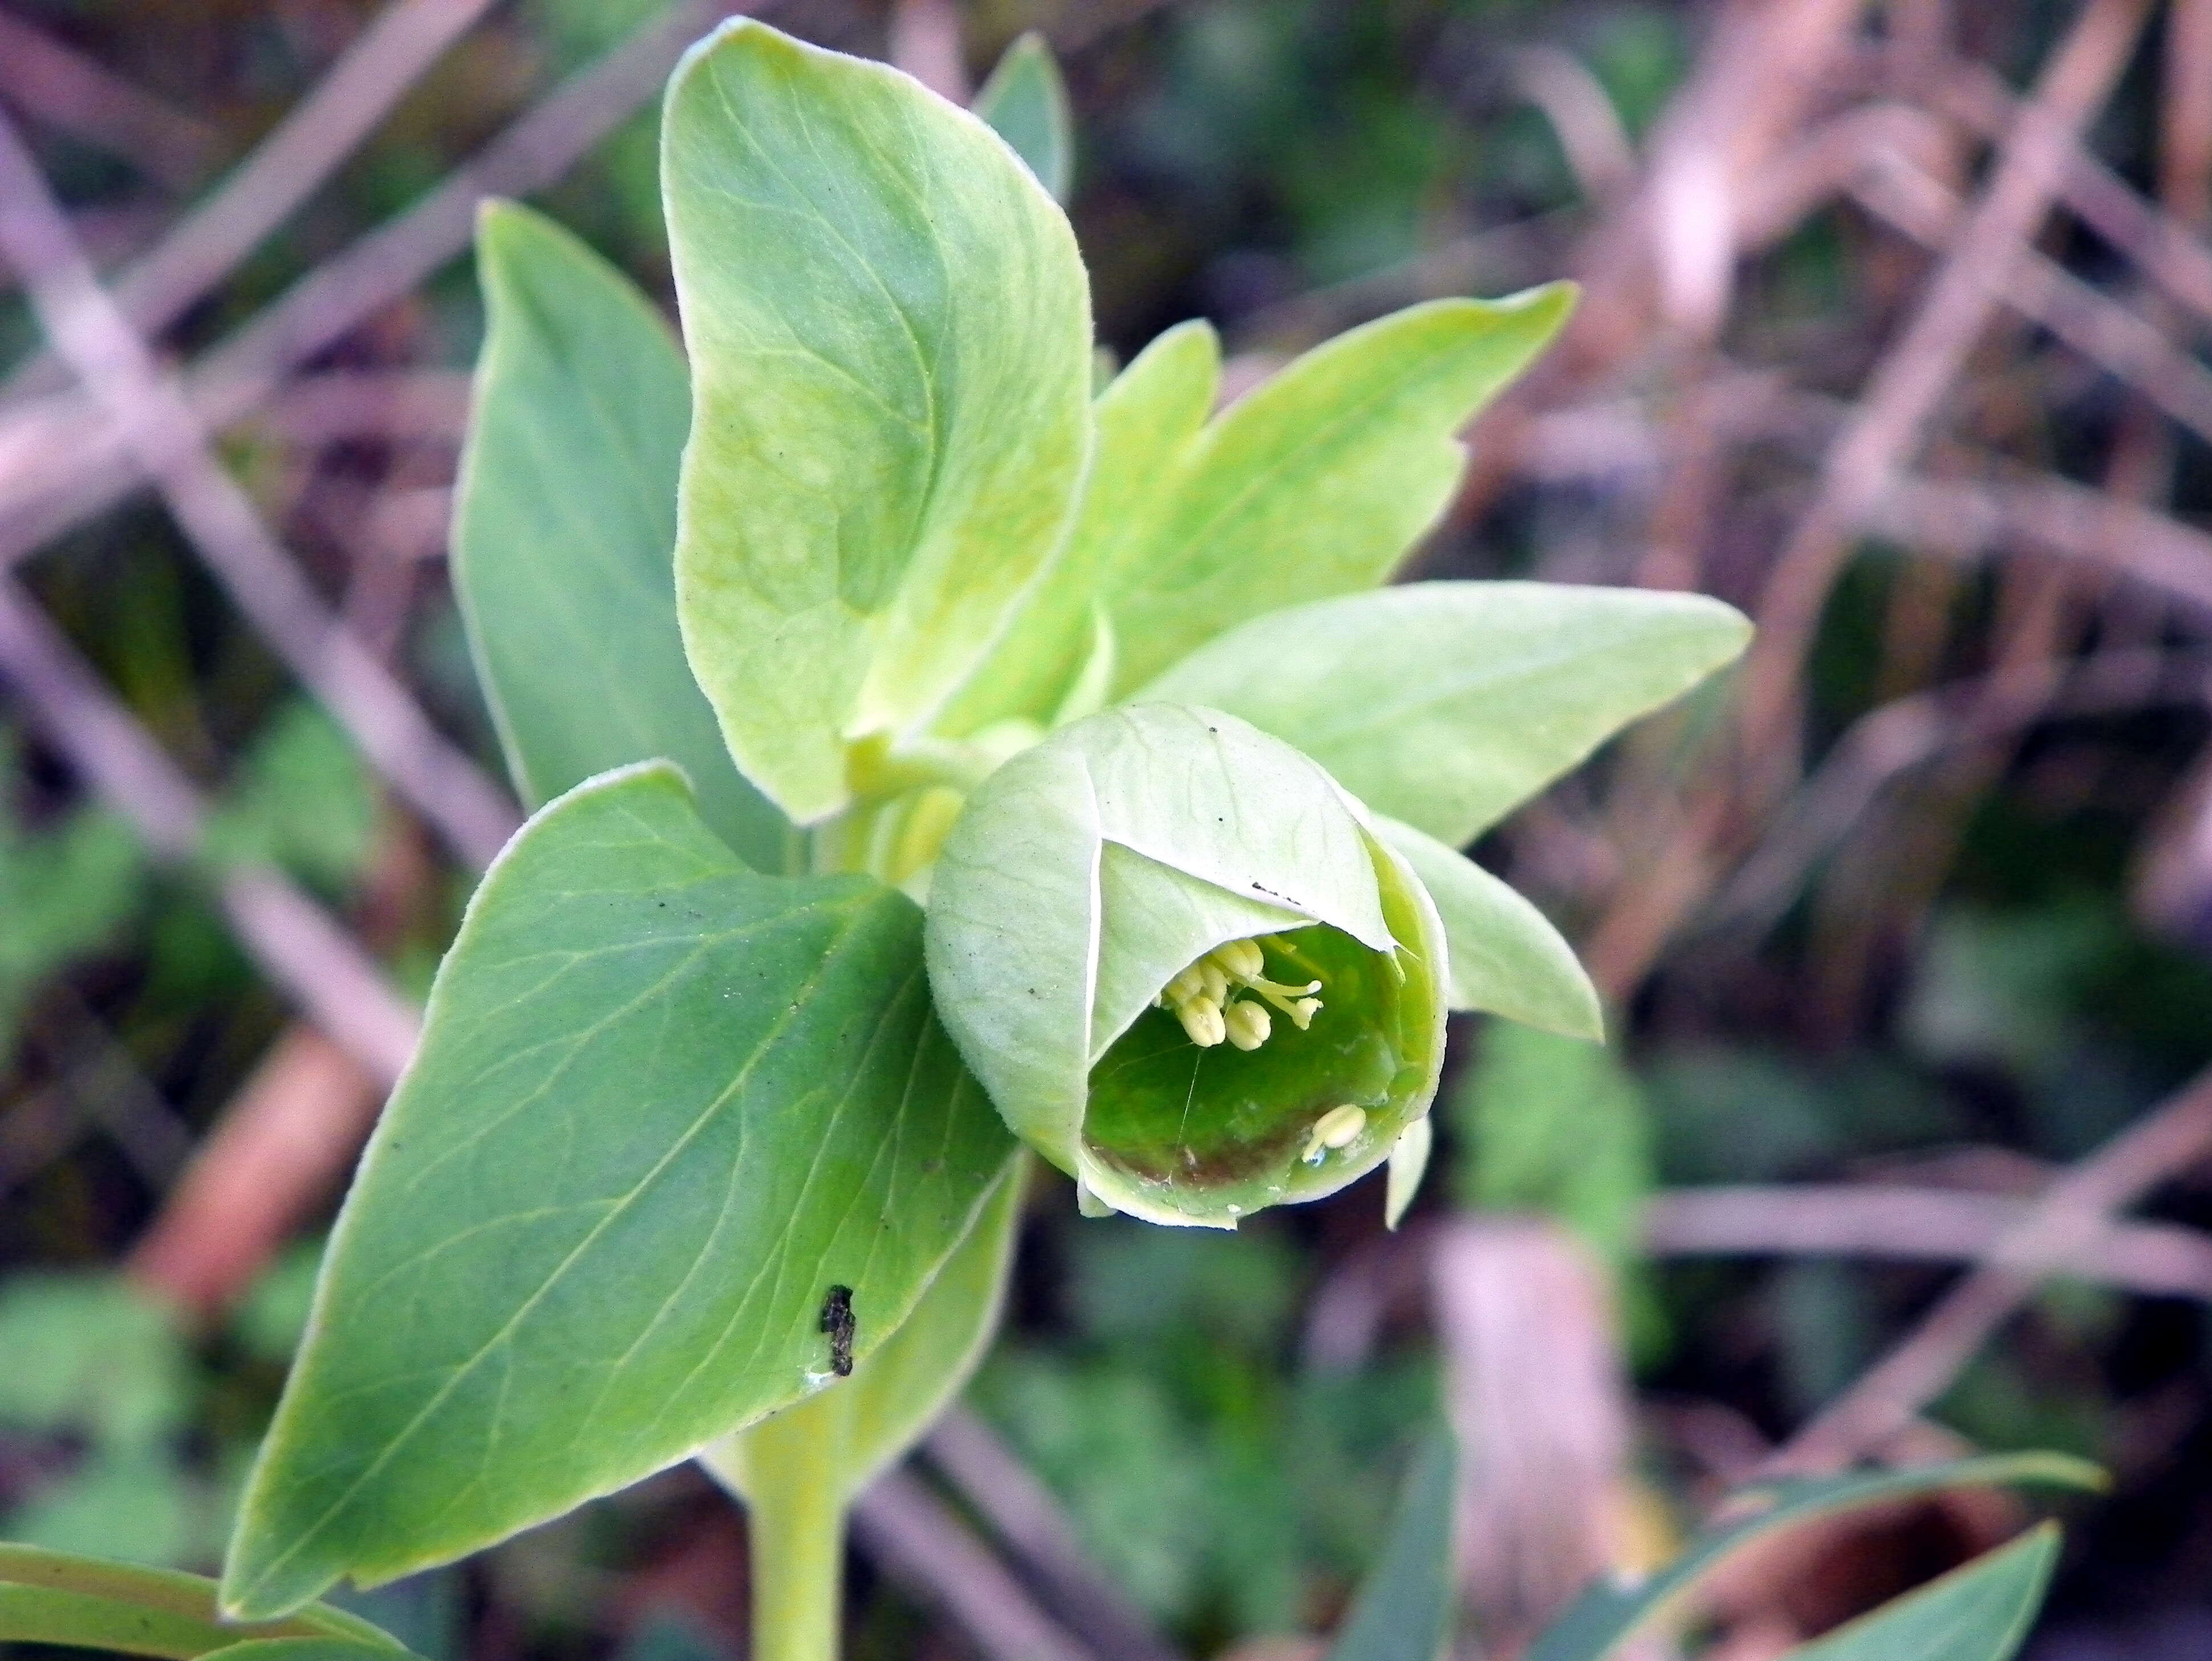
column 1271, row 1068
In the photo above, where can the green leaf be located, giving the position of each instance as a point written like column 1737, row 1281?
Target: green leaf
column 1558, row 1126
column 1025, row 101
column 564, row 531
column 1403, row 1609
column 1600, row 1623
column 1319, row 482
column 303, row 1649
column 1447, row 704
column 859, row 1427
column 1979, row 1612
column 890, row 330
column 662, row 1106
column 1146, row 416
column 52, row 1598
column 1506, row 958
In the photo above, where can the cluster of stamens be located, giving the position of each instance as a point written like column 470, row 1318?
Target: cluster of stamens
column 1204, row 998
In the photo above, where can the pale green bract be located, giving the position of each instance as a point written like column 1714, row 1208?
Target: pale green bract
column 1025, row 102
column 1317, row 483
column 890, row 331
column 1145, row 416
column 799, row 1471
column 1447, row 704
column 1505, row 959
column 1091, row 871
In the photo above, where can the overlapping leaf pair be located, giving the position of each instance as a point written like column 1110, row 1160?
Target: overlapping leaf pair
column 985, row 753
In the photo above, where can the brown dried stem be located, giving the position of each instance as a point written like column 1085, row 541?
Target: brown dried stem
column 295, row 943
column 165, row 436
column 2073, row 1216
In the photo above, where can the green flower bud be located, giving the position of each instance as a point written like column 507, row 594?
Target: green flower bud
column 1184, row 966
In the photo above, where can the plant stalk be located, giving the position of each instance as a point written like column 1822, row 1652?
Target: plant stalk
column 795, row 1519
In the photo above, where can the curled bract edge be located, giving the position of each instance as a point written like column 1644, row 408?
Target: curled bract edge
column 1186, row 967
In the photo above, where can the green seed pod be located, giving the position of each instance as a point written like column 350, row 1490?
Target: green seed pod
column 1185, row 970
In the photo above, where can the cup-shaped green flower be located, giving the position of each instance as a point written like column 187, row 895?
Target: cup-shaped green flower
column 1185, row 968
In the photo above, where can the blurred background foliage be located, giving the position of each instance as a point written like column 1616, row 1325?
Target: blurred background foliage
column 1962, row 990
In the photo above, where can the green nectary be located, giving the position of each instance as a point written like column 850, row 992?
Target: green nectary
column 1186, row 967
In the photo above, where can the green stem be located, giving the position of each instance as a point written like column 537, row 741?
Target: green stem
column 795, row 1506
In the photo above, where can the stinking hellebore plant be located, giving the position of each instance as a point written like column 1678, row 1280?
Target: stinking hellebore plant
column 922, row 748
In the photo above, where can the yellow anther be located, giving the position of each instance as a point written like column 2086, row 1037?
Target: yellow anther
column 1202, row 1019
column 1203, row 997
column 1336, row 1129
column 1246, row 1023
column 1187, row 985
column 1216, row 983
column 1242, row 958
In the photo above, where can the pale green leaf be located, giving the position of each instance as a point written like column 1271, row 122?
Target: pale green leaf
column 53, row 1598
column 1979, row 1612
column 890, row 331
column 859, row 1427
column 1446, row 704
column 1025, row 101
column 1506, row 958
column 662, row 1106
column 1404, row 1606
column 1146, row 416
column 1318, row 483
column 564, row 531
column 1599, row 1625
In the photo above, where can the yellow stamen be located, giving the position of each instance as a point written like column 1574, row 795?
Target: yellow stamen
column 1202, row 1019
column 1241, row 958
column 1335, row 1130
column 1203, row 997
column 1248, row 1023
